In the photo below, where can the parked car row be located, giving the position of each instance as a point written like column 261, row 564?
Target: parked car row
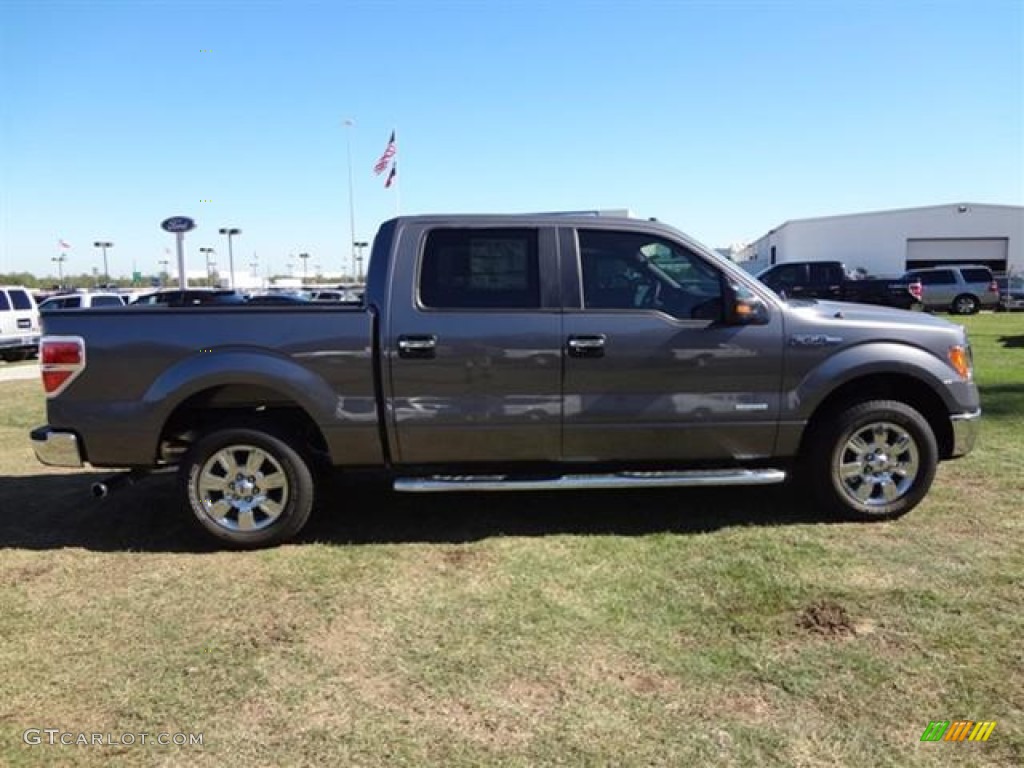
column 20, row 309
column 957, row 289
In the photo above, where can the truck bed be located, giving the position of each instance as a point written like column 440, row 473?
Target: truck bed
column 143, row 363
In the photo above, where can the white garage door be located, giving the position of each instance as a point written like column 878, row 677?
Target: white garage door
column 988, row 251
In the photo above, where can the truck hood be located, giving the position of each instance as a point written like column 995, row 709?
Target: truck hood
column 868, row 315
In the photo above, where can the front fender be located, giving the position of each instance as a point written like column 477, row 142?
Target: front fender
column 874, row 358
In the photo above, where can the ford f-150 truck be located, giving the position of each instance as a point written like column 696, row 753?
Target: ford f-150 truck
column 829, row 280
column 513, row 352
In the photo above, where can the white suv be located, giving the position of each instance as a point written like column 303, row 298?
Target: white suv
column 19, row 323
column 83, row 301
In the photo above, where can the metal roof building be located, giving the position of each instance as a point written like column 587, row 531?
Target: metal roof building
column 890, row 242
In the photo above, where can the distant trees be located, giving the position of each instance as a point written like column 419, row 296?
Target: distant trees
column 84, row 280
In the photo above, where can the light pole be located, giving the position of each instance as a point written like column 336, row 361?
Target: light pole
column 359, row 259
column 231, row 232
column 60, row 268
column 104, row 244
column 351, row 197
column 305, row 259
column 163, row 272
column 208, row 252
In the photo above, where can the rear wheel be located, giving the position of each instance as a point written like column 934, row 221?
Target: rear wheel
column 874, row 461
column 965, row 304
column 247, row 487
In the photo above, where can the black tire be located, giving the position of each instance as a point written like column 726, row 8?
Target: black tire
column 874, row 460
column 247, row 487
column 965, row 304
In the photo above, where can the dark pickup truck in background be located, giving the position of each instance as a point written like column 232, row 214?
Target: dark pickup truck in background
column 830, row 280
column 513, row 353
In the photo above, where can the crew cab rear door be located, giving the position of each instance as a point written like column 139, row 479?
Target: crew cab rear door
column 652, row 370
column 473, row 344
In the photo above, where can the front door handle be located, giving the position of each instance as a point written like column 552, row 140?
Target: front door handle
column 417, row 347
column 587, row 346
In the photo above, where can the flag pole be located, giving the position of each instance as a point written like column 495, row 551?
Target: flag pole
column 398, row 181
column 351, row 197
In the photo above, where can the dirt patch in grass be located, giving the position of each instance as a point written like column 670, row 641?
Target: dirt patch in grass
column 826, row 617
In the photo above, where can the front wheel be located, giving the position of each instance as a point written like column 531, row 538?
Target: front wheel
column 874, row 461
column 248, row 488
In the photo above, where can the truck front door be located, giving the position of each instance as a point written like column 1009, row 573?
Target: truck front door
column 652, row 372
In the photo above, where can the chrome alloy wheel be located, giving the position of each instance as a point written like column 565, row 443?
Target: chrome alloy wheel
column 243, row 488
column 878, row 464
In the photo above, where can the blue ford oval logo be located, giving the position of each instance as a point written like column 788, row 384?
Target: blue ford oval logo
column 178, row 224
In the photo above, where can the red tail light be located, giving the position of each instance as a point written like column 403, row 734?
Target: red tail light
column 61, row 360
column 993, row 287
column 916, row 289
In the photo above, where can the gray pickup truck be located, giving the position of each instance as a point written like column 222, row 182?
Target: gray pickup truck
column 513, row 353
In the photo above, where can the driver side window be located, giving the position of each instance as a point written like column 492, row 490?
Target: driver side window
column 635, row 271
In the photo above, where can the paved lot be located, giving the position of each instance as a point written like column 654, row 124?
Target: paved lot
column 18, row 372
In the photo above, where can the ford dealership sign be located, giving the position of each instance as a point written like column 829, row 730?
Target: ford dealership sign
column 178, row 224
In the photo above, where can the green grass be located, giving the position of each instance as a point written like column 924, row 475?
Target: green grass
column 642, row 628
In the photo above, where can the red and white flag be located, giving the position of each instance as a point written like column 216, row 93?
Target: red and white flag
column 389, row 152
column 391, row 176
column 64, row 245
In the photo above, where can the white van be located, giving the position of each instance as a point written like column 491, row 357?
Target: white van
column 19, row 323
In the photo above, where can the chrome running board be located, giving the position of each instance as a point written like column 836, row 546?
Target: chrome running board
column 687, row 479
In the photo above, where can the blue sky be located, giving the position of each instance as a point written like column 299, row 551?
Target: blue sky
column 721, row 118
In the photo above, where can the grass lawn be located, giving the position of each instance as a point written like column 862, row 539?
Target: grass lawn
column 732, row 628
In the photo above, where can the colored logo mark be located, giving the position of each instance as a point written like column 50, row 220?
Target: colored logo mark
column 958, row 730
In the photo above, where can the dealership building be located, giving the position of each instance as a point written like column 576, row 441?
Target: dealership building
column 891, row 242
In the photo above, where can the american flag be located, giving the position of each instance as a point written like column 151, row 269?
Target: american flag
column 63, row 244
column 389, row 152
column 391, row 176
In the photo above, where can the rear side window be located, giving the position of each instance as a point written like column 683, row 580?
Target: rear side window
column 106, row 301
column 942, row 277
column 977, row 275
column 4, row 305
column 73, row 302
column 20, row 300
column 825, row 273
column 480, row 269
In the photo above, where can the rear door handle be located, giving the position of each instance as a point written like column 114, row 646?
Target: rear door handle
column 587, row 346
column 417, row 347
